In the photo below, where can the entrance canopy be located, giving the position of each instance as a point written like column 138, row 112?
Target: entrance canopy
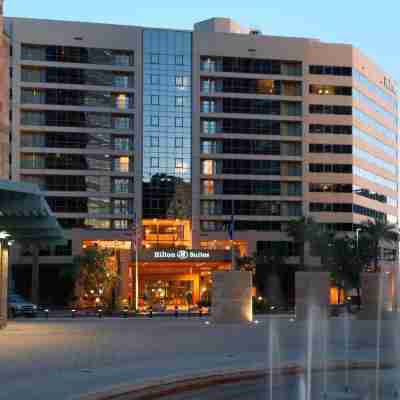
column 25, row 215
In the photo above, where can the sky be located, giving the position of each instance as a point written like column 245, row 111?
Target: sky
column 372, row 26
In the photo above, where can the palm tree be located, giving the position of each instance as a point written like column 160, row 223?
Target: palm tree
column 301, row 230
column 377, row 231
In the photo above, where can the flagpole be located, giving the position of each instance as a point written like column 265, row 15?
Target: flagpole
column 136, row 265
column 231, row 236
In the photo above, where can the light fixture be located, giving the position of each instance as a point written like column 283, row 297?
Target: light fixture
column 4, row 235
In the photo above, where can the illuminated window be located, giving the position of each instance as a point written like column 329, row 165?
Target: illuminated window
column 207, row 167
column 208, row 187
column 121, row 164
column 122, row 101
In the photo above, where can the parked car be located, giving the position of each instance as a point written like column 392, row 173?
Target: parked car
column 17, row 306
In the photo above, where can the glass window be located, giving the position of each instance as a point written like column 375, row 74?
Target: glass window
column 121, row 164
column 208, row 187
column 179, row 141
column 179, row 60
column 179, row 81
column 179, row 163
column 98, row 223
column 154, row 162
column 121, row 206
column 120, row 185
column 155, row 79
column 155, row 59
column 207, row 167
column 154, row 141
column 122, row 101
column 122, row 143
column 155, row 100
column 121, row 122
column 155, row 121
column 120, row 224
column 179, row 122
column 179, row 101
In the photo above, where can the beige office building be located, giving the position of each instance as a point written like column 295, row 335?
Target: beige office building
column 185, row 129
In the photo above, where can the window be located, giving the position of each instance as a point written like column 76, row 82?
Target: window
column 179, row 101
column 122, row 143
column 208, row 106
column 121, row 224
column 178, row 141
column 120, row 185
column 122, row 101
column 155, row 79
column 121, row 206
column 121, row 122
column 330, row 109
column 121, row 164
column 330, row 70
column 330, row 129
column 155, row 59
column 330, row 90
column 154, row 162
column 208, row 126
column 154, row 121
column 208, row 187
column 207, row 167
column 179, row 60
column 97, row 223
column 331, row 168
column 178, row 122
column 179, row 163
column 179, row 81
column 155, row 100
column 154, row 141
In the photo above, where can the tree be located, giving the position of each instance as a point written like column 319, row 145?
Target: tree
column 349, row 260
column 377, row 231
column 269, row 270
column 95, row 273
column 322, row 242
column 301, row 231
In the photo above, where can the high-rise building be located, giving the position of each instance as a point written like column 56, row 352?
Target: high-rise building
column 206, row 138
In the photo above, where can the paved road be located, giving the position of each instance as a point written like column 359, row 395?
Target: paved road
column 60, row 359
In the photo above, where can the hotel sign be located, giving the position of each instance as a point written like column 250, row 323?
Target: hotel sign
column 181, row 255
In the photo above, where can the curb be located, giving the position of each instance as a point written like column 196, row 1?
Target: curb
column 170, row 385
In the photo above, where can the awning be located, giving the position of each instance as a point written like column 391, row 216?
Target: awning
column 25, row 215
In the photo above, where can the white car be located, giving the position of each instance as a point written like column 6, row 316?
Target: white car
column 17, row 305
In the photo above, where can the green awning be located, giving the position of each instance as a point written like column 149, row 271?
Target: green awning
column 25, row 215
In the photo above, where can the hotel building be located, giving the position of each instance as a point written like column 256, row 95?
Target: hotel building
column 169, row 133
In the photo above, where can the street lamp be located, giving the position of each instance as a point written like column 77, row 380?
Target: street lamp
column 357, row 236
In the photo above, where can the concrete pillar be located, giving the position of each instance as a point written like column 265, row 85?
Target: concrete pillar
column 196, row 288
column 376, row 295
column 232, row 297
column 123, row 292
column 35, row 275
column 312, row 289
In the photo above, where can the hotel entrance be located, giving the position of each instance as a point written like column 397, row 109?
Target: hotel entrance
column 182, row 278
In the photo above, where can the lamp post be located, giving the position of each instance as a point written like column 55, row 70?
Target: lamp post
column 357, row 236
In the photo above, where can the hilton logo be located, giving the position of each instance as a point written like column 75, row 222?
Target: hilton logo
column 181, row 254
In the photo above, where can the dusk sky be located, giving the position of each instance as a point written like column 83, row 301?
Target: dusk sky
column 372, row 26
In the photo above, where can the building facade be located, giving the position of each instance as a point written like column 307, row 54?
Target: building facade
column 180, row 135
